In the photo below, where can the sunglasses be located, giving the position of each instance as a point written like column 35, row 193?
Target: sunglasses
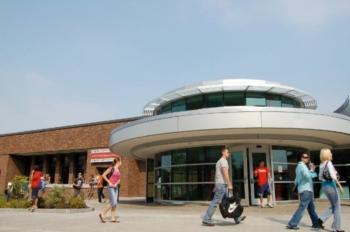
column 306, row 157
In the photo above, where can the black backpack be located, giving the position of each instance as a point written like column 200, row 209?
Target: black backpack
column 326, row 174
column 231, row 206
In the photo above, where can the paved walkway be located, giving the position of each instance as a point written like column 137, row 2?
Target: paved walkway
column 138, row 217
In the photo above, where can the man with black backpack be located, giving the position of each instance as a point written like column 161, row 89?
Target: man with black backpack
column 78, row 184
column 223, row 185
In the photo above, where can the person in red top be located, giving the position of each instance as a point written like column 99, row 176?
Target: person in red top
column 262, row 173
column 35, row 181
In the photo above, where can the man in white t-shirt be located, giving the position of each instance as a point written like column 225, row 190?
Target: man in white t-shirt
column 222, row 184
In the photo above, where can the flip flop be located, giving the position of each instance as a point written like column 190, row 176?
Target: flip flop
column 115, row 221
column 101, row 218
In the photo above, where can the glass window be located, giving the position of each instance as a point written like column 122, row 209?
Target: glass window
column 286, row 154
column 166, row 160
column 80, row 160
column 195, row 102
column 64, row 169
column 215, row 100
column 51, row 161
column 179, row 157
column 284, row 172
column 179, row 192
column 213, row 154
column 237, row 165
column 273, row 100
column 165, row 175
column 178, row 174
column 195, row 155
column 284, row 191
column 287, row 102
column 200, row 192
column 202, row 173
column 234, row 99
column 179, row 105
column 166, row 109
column 255, row 99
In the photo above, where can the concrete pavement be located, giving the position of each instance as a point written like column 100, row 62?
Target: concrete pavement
column 138, row 217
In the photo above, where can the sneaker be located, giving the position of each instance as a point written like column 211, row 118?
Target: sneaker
column 240, row 219
column 269, row 205
column 292, row 227
column 204, row 223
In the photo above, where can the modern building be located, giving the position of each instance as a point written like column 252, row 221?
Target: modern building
column 182, row 132
column 62, row 152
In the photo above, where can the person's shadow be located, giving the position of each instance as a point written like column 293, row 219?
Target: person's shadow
column 225, row 222
column 285, row 223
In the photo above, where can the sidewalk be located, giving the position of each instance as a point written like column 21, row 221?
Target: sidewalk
column 153, row 218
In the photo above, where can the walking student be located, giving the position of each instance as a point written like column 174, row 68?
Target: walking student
column 223, row 184
column 35, row 183
column 112, row 176
column 78, row 184
column 100, row 186
column 329, row 177
column 303, row 181
column 262, row 173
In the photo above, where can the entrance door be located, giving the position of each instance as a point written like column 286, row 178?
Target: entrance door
column 239, row 174
column 256, row 154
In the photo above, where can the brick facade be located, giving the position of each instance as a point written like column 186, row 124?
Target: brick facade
column 17, row 147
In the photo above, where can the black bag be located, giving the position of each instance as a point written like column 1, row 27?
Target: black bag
column 231, row 206
column 110, row 173
column 326, row 174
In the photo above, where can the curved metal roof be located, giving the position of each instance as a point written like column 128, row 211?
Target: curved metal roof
column 345, row 108
column 232, row 85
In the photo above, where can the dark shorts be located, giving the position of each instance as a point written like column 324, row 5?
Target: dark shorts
column 264, row 190
column 35, row 192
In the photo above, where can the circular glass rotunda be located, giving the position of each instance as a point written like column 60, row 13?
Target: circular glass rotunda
column 182, row 131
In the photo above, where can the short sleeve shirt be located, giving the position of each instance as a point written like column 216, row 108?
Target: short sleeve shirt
column 219, row 175
column 262, row 175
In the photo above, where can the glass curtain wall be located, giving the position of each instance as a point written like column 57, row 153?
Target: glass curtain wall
column 228, row 99
column 186, row 174
column 284, row 162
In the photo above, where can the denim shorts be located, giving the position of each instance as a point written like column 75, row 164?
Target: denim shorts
column 264, row 190
column 113, row 196
column 35, row 192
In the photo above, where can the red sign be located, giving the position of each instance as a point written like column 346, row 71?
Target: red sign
column 102, row 156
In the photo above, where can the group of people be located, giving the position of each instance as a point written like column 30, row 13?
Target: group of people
column 305, row 172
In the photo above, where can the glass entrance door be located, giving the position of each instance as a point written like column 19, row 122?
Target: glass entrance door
column 256, row 154
column 239, row 174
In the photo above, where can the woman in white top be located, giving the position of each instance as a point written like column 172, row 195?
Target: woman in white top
column 329, row 177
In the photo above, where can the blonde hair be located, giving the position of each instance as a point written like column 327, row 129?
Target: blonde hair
column 325, row 155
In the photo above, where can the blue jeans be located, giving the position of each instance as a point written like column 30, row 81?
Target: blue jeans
column 220, row 191
column 306, row 202
column 113, row 196
column 333, row 197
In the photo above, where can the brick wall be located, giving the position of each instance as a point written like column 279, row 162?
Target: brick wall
column 69, row 139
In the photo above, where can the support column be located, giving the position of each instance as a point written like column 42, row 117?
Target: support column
column 71, row 176
column 58, row 170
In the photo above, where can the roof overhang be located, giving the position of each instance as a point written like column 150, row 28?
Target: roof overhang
column 231, row 125
column 232, row 85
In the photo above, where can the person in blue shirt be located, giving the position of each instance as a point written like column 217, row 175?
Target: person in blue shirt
column 303, row 181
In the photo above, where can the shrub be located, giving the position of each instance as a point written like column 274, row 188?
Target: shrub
column 14, row 203
column 20, row 187
column 76, row 203
column 55, row 198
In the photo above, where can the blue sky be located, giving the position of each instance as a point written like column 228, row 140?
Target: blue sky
column 68, row 62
